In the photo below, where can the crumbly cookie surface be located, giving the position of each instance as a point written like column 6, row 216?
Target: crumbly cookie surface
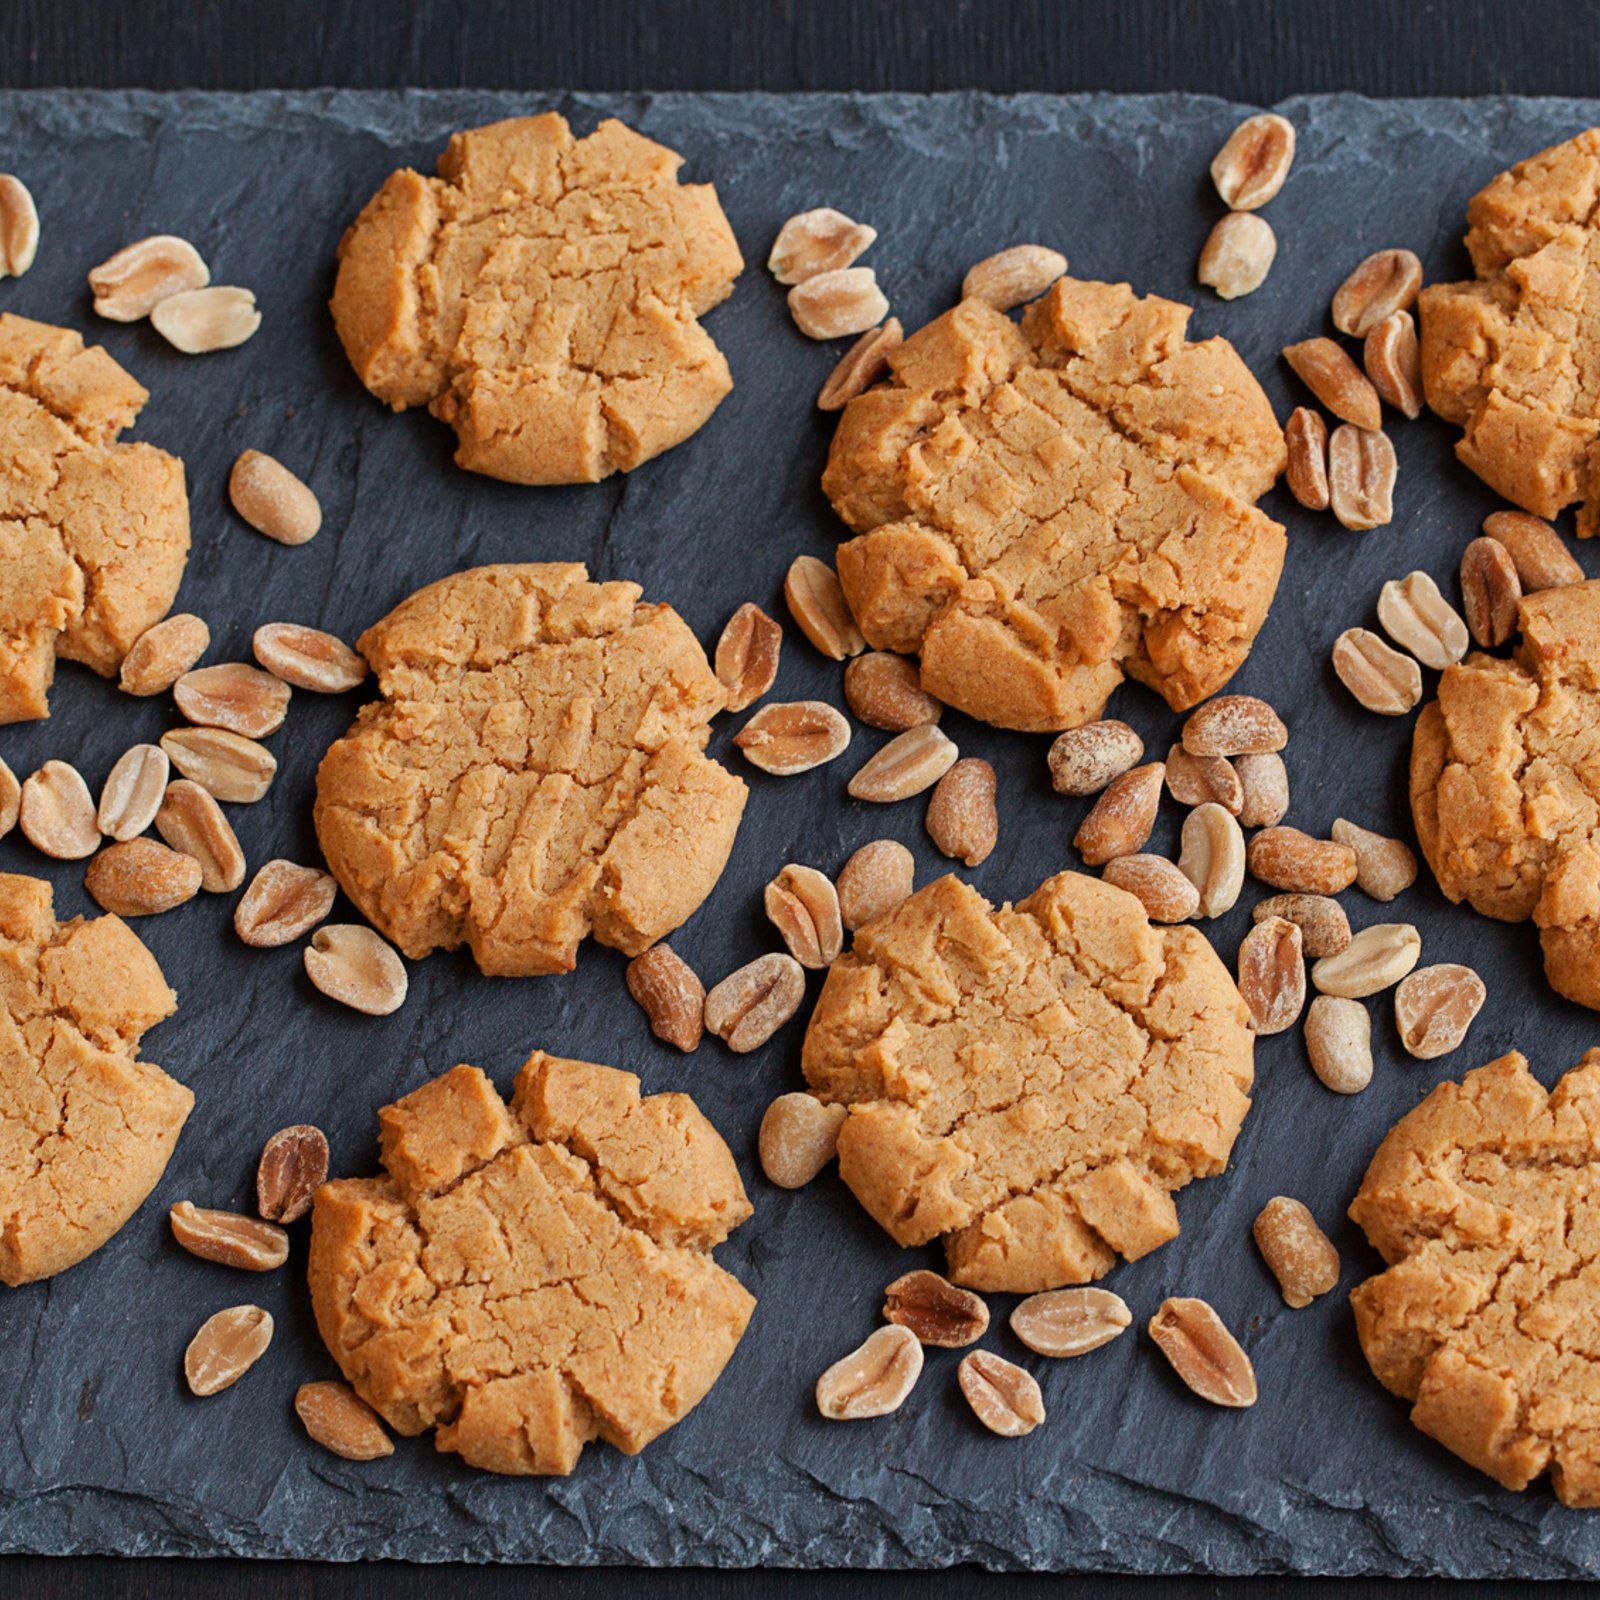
column 1044, row 509
column 528, row 1279
column 94, row 533
column 1032, row 1083
column 1485, row 1202
column 1505, row 784
column 534, row 772
column 1513, row 357
column 542, row 296
column 86, row 1129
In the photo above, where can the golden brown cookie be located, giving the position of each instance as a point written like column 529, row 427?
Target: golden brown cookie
column 526, row 1280
column 1044, row 509
column 1485, row 1202
column 93, row 534
column 534, row 772
column 1513, row 357
column 541, row 295
column 1505, row 784
column 86, row 1129
column 1032, row 1083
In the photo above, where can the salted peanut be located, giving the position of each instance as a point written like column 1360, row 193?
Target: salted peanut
column 793, row 736
column 1234, row 725
column 191, row 821
column 241, row 698
column 162, row 654
column 1434, row 1007
column 1070, row 1322
column 670, row 994
column 803, row 905
column 10, row 799
column 817, row 241
column 1339, row 1042
column 228, row 1238
column 1386, row 282
column 56, row 814
column 341, row 1421
column 1289, row 859
column 817, row 603
column 885, row 691
column 199, row 321
column 1084, row 760
column 1157, row 884
column 131, row 794
column 1377, row 958
column 752, row 1003
column 1300, row 1254
column 1378, row 675
column 799, row 1136
column 1541, row 559
column 911, row 762
column 272, row 500
column 1013, row 277
column 1203, row 1353
column 227, row 765
column 1123, row 817
column 1325, row 368
column 1361, row 473
column 1199, row 780
column 861, row 366
column 19, row 227
column 1264, row 788
column 141, row 878
column 838, row 304
column 877, row 878
column 1419, row 619
column 1384, row 866
column 1237, row 255
column 935, row 1310
column 293, row 1166
column 1004, row 1397
column 1272, row 975
column 308, row 658
column 1393, row 360
column 131, row 284
column 874, row 1379
column 1211, row 857
column 1305, row 437
column 284, row 902
column 1491, row 591
column 1250, row 168
column 351, row 964
column 747, row 655
column 962, row 819
column 1324, row 927
column 226, row 1347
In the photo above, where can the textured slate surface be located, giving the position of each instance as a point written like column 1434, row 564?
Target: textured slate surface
column 104, row 1451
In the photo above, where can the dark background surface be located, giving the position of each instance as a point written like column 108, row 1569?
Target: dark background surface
column 1255, row 52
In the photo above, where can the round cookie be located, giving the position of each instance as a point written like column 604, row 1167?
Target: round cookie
column 526, row 1280
column 541, row 295
column 94, row 534
column 1032, row 1083
column 1513, row 357
column 1485, row 1202
column 534, row 772
column 86, row 1129
column 1044, row 509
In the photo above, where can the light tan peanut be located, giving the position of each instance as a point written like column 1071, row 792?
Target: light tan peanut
column 352, row 965
column 162, row 654
column 1070, row 1322
column 752, row 1003
column 1324, row 927
column 1250, row 168
column 243, row 699
column 1384, row 867
column 1157, row 884
column 284, row 902
column 56, row 814
column 799, row 1136
column 198, row 321
column 1377, row 958
column 911, row 762
column 1378, row 675
column 140, row 878
column 1272, row 975
column 817, row 241
column 1004, row 1397
column 131, row 284
column 1212, row 858
column 1419, row 619
column 818, row 604
column 1325, row 368
column 1234, row 725
column 1237, row 255
column 1013, row 277
column 1264, row 788
column 874, row 881
column 1289, row 859
column 793, row 736
column 1393, row 360
column 131, row 794
column 1537, row 552
column 227, row 765
column 308, row 658
column 1123, row 818
column 226, row 1347
column 1305, row 437
column 935, row 1310
column 1339, row 1042
column 670, row 994
column 1198, row 780
column 1434, row 1007
column 1300, row 1254
column 293, row 1166
column 273, row 500
column 874, row 1379
column 1490, row 591
column 1203, row 1353
column 1361, row 473
column 861, row 366
column 10, row 799
column 19, row 227
column 747, row 655
column 885, row 691
column 838, row 304
column 803, row 905
column 962, row 819
column 341, row 1421
column 191, row 821
column 228, row 1238
column 1084, row 760
column 1386, row 282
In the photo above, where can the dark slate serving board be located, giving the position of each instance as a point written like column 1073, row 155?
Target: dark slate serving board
column 104, row 1449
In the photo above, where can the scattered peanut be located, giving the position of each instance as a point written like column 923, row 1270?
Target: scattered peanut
column 1251, row 167
column 962, row 820
column 861, row 366
column 1289, row 859
column 803, row 905
column 191, row 821
column 163, row 653
column 1537, row 552
column 226, row 1347
column 293, row 1166
column 140, row 878
column 793, row 736
column 1084, row 760
column 874, row 1379
column 1004, row 1397
column 752, row 1003
column 1419, row 619
column 747, row 655
column 1386, row 282
column 813, row 242
column 351, row 964
column 56, row 814
column 308, row 658
column 1384, row 867
column 1300, row 1254
column 273, row 500
column 1158, row 885
column 226, row 765
column 1490, row 591
column 1377, row 958
column 1198, row 780
column 874, row 881
column 1237, row 255
column 911, row 762
column 341, row 1421
column 1305, row 436
column 1361, row 474
column 1014, row 276
column 1325, row 368
column 131, row 794
column 1339, row 1042
column 228, row 1238
column 19, row 227
column 935, row 1310
column 1234, row 725
column 1264, row 788
column 670, row 994
column 799, row 1136
column 198, row 321
column 1212, row 858
column 131, row 284
column 818, row 605
column 1123, row 818
column 1379, row 676
column 1324, row 927
column 243, row 699
column 838, row 304
column 1070, row 1322
column 284, row 901
column 1272, row 975
column 1434, row 1007
column 885, row 691
column 1393, row 360
column 1203, row 1353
